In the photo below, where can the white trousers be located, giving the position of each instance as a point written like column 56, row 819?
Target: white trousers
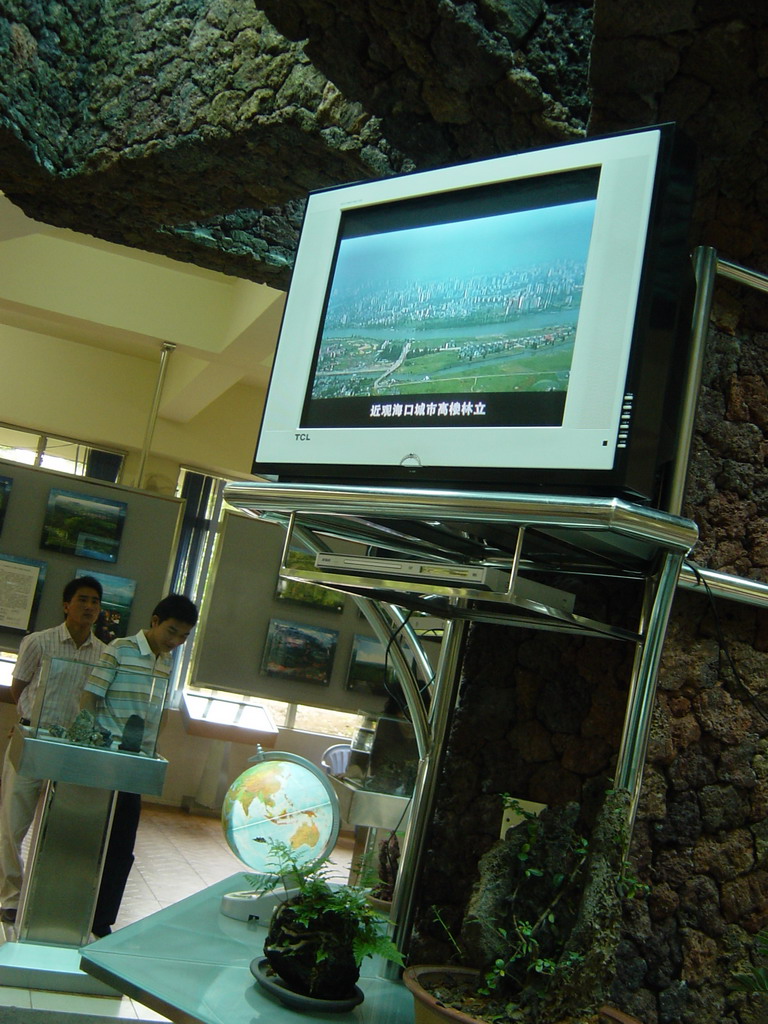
column 18, row 801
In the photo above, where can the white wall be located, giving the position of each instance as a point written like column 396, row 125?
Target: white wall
column 200, row 770
column 103, row 397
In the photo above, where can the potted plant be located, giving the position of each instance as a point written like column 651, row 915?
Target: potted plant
column 538, row 939
column 318, row 935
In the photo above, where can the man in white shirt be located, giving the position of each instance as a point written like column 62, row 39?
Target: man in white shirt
column 74, row 642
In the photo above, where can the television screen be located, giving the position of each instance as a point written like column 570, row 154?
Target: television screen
column 516, row 322
column 468, row 318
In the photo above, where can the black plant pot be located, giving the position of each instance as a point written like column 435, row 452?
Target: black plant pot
column 314, row 959
column 270, row 982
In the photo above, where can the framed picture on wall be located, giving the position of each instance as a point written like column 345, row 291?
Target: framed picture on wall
column 21, row 586
column 5, row 493
column 298, row 592
column 88, row 527
column 299, row 652
column 116, row 602
column 368, row 671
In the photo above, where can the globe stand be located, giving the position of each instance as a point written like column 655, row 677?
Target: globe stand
column 248, row 905
column 242, row 906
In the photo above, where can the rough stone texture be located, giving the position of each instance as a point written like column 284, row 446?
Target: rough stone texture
column 553, row 888
column 702, row 65
column 451, row 80
column 131, row 120
column 700, row 834
column 516, row 682
column 195, row 127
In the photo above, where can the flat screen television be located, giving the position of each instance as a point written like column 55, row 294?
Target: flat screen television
column 516, row 323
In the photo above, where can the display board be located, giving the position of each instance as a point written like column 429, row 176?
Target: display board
column 301, row 645
column 57, row 526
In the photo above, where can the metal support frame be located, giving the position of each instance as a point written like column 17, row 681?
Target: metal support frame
column 706, row 267
column 381, row 624
column 652, row 543
column 721, row 584
column 425, row 791
column 69, row 841
column 637, row 722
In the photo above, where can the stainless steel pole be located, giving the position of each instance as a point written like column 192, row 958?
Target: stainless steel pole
column 720, row 584
column 741, row 274
column 704, row 268
column 444, row 698
column 166, row 350
column 637, row 721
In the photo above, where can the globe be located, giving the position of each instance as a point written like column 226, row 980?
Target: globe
column 282, row 799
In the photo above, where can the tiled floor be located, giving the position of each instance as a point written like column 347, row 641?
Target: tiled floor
column 177, row 854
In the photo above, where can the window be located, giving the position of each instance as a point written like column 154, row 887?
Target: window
column 202, row 511
column 65, row 455
column 7, row 665
column 331, row 723
column 304, row 717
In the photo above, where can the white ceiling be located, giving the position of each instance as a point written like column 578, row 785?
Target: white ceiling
column 66, row 285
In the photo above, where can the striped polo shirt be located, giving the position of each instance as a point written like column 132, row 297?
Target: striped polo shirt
column 131, row 680
column 52, row 654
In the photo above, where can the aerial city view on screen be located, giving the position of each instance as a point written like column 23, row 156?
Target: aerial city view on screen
column 479, row 306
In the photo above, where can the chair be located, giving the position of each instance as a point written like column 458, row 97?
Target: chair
column 336, row 758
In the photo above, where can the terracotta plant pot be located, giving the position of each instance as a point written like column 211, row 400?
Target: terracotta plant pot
column 610, row 1013
column 421, row 979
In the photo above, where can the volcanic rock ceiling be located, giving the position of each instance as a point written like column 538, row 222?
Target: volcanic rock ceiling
column 195, row 128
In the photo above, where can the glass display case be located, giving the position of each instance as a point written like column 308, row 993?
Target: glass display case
column 110, row 744
column 221, row 718
column 127, row 719
column 384, row 757
column 376, row 788
column 394, row 757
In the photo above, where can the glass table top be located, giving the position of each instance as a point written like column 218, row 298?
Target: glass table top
column 192, row 964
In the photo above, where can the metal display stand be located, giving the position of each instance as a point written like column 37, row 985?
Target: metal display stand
column 489, row 557
column 66, row 855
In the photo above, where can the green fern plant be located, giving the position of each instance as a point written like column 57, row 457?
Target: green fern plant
column 756, row 979
column 317, row 898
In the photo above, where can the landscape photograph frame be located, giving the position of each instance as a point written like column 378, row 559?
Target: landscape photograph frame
column 299, row 652
column 368, row 671
column 117, row 597
column 302, row 593
column 83, row 525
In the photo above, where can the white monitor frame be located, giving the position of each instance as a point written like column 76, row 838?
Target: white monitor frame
column 596, row 423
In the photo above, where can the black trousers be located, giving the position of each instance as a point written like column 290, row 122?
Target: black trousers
column 118, row 862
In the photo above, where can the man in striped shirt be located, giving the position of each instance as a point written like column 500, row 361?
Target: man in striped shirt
column 127, row 692
column 67, row 653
